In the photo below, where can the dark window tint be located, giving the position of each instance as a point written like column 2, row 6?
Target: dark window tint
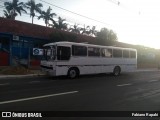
column 126, row 53
column 117, row 53
column 26, row 44
column 132, row 54
column 63, row 53
column 79, row 50
column 92, row 51
column 106, row 52
column 15, row 44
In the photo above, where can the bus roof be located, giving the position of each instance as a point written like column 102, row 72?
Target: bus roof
column 65, row 43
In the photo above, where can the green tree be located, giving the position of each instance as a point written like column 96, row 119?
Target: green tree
column 33, row 7
column 75, row 29
column 13, row 8
column 58, row 35
column 60, row 24
column 106, row 37
column 47, row 16
column 112, row 36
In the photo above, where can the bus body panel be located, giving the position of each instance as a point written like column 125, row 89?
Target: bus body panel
column 49, row 67
column 95, row 65
column 89, row 64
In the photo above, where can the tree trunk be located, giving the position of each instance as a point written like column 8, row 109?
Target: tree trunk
column 32, row 19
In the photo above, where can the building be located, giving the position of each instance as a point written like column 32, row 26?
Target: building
column 17, row 40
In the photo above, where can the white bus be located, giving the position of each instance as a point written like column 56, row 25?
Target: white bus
column 73, row 59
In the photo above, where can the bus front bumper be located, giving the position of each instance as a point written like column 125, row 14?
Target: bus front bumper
column 49, row 72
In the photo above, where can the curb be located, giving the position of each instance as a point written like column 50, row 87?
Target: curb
column 21, row 76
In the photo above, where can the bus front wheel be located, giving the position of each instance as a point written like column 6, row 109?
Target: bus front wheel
column 117, row 71
column 72, row 73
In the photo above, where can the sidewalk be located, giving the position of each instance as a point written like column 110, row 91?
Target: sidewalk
column 147, row 69
column 37, row 73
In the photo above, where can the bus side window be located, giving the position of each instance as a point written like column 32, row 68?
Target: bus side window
column 63, row 53
column 125, row 53
column 79, row 50
column 106, row 52
column 132, row 54
column 93, row 51
column 117, row 53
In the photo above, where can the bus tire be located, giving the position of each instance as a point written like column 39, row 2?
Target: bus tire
column 73, row 73
column 117, row 71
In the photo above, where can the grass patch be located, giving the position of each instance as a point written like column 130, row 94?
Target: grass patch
column 16, row 70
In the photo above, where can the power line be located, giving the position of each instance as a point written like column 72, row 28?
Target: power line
column 75, row 13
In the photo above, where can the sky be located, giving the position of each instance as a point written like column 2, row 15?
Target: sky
column 134, row 21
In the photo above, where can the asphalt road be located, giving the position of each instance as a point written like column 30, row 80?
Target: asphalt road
column 139, row 91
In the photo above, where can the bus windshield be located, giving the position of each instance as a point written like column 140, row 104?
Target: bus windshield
column 50, row 53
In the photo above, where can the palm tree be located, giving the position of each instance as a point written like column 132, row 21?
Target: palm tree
column 85, row 30
column 14, row 7
column 93, row 31
column 7, row 14
column 47, row 16
column 75, row 28
column 60, row 24
column 33, row 8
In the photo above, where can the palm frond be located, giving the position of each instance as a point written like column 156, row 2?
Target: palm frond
column 47, row 16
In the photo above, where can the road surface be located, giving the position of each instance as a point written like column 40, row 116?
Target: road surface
column 138, row 91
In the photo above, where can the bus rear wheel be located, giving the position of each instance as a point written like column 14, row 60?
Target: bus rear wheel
column 117, row 71
column 72, row 73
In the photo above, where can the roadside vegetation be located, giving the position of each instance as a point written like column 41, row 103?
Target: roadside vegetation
column 14, row 70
